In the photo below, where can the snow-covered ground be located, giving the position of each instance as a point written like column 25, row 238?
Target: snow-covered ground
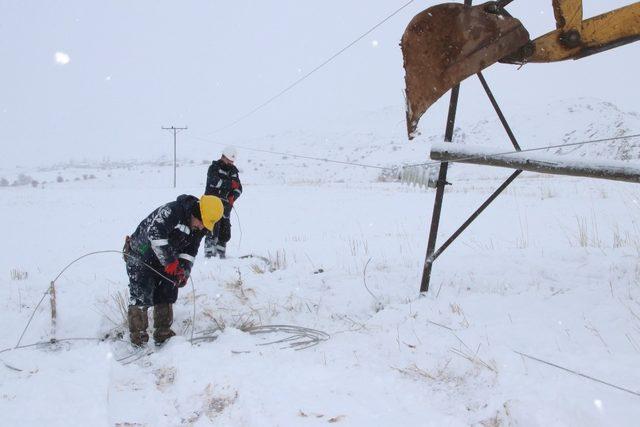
column 550, row 270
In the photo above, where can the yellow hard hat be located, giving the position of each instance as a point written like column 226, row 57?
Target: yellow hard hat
column 211, row 210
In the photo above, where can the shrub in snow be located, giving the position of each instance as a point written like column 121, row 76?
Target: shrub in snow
column 22, row 180
column 59, row 179
column 4, row 182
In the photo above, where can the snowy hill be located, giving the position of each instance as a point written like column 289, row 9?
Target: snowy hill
column 550, row 271
column 375, row 138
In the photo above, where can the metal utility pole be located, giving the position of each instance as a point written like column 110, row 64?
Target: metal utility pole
column 442, row 182
column 175, row 131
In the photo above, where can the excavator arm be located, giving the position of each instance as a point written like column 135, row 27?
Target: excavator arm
column 447, row 43
column 575, row 38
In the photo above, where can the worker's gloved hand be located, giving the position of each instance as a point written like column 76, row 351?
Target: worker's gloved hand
column 176, row 271
column 182, row 279
column 172, row 268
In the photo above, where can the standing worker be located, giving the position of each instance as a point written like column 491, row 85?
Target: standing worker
column 159, row 257
column 223, row 182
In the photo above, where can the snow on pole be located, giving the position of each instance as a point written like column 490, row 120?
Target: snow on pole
column 541, row 163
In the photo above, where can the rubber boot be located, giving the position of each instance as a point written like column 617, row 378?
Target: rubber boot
column 210, row 246
column 138, row 324
column 221, row 250
column 162, row 321
column 209, row 251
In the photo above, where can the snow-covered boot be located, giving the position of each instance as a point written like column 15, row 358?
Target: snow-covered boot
column 210, row 245
column 138, row 324
column 162, row 321
column 221, row 250
column 209, row 251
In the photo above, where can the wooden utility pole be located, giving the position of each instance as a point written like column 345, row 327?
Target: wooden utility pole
column 175, row 131
column 590, row 168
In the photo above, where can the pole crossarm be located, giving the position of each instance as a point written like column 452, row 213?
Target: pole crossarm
column 539, row 162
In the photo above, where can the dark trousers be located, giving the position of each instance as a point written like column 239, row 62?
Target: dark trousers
column 216, row 241
column 146, row 287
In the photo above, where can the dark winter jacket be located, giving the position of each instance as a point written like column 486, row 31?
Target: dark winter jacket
column 223, row 181
column 165, row 235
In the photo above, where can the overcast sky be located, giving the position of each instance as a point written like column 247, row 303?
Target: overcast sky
column 94, row 79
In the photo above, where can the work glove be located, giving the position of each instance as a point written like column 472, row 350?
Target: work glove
column 177, row 272
column 234, row 186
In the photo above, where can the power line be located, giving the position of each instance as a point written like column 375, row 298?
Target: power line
column 435, row 162
column 300, row 156
column 301, row 79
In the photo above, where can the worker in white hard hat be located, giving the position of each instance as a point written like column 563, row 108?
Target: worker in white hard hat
column 222, row 181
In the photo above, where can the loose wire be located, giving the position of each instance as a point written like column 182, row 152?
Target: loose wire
column 580, row 374
column 239, row 225
column 69, row 265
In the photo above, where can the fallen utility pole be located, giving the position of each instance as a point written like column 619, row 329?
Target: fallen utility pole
column 541, row 163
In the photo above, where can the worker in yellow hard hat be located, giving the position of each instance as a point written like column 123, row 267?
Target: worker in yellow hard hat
column 159, row 256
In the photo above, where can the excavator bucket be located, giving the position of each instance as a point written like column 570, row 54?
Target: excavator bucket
column 445, row 44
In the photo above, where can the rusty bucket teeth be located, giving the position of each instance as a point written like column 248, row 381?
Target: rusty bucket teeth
column 445, row 44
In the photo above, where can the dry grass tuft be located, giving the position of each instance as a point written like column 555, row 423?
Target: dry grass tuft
column 278, row 261
column 122, row 308
column 257, row 269
column 17, row 274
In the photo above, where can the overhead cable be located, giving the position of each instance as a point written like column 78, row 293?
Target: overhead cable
column 281, row 153
column 432, row 163
column 307, row 75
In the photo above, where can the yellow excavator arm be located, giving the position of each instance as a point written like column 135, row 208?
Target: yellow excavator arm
column 447, row 43
column 576, row 38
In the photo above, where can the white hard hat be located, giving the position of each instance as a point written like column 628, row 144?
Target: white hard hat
column 230, row 153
